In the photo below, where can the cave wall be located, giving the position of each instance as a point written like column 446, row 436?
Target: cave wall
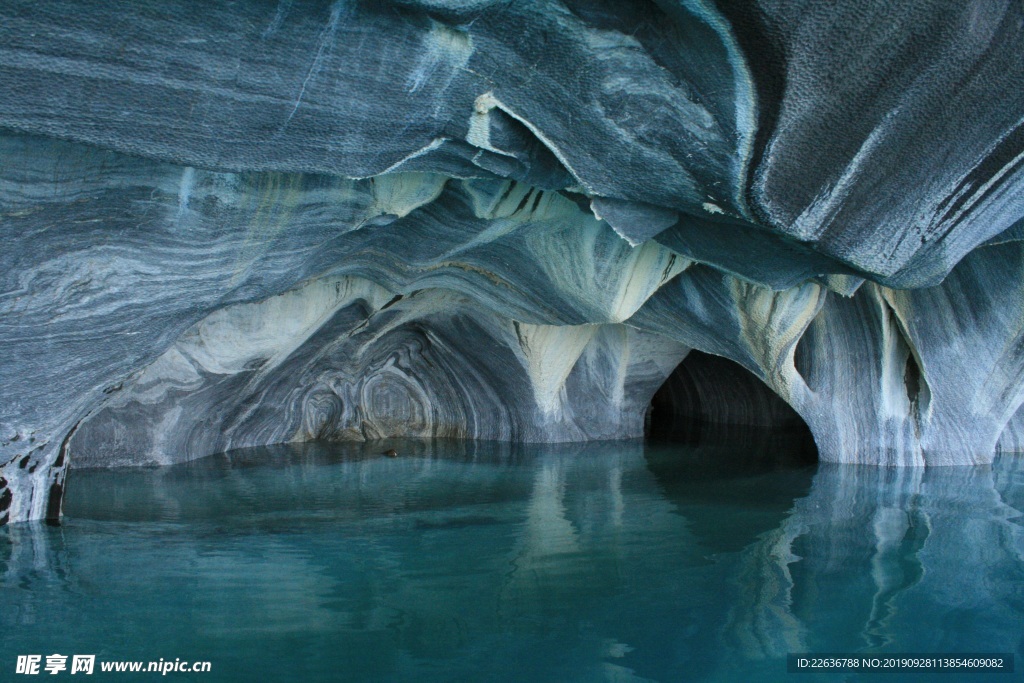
column 241, row 223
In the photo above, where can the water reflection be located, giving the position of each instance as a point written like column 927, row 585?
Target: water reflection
column 737, row 485
column 614, row 561
column 911, row 559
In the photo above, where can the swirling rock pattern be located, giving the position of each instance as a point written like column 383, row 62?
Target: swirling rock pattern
column 242, row 223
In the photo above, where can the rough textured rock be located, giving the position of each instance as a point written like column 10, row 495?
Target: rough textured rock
column 239, row 223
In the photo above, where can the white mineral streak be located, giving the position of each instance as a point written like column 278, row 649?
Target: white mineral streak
column 551, row 352
column 445, row 50
column 479, row 133
column 399, row 194
column 268, row 332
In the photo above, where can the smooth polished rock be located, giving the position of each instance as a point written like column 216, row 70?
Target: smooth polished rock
column 242, row 223
column 363, row 365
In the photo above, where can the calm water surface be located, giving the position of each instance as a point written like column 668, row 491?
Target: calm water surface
column 484, row 562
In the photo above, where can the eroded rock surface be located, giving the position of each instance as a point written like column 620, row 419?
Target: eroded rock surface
column 241, row 223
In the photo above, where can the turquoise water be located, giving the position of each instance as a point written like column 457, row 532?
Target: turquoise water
column 483, row 562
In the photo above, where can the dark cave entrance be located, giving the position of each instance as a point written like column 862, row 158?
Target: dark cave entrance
column 716, row 405
column 730, row 454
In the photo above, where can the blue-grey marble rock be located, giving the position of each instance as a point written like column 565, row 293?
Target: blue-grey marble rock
column 364, row 365
column 243, row 223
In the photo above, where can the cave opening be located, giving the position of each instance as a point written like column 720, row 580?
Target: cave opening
column 715, row 406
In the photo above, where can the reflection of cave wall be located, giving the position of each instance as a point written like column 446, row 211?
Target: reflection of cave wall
column 710, row 398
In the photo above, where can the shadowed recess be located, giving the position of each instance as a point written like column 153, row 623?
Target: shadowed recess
column 711, row 401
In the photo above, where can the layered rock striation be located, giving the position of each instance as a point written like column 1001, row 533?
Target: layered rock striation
column 229, row 224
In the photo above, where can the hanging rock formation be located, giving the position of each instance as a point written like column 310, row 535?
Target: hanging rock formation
column 242, row 223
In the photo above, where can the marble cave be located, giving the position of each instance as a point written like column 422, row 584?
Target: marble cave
column 241, row 223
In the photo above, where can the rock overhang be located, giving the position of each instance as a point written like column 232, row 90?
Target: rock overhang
column 567, row 196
